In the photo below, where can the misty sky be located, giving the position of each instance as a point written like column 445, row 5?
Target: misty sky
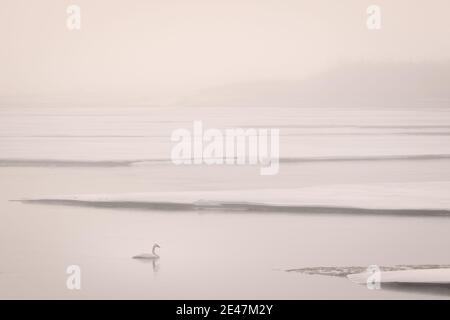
column 173, row 46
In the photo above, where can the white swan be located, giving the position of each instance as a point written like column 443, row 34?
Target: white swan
column 149, row 256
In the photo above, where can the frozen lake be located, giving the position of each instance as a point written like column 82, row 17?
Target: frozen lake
column 215, row 253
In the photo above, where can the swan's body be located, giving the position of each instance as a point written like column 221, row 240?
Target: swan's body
column 149, row 256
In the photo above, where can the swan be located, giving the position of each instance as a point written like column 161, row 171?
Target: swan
column 149, row 256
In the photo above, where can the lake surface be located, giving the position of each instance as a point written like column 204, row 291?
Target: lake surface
column 211, row 254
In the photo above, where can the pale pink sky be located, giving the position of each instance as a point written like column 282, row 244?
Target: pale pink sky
column 180, row 45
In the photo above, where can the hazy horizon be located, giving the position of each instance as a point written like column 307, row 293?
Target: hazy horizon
column 173, row 48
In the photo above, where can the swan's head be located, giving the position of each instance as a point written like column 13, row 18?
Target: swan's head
column 154, row 248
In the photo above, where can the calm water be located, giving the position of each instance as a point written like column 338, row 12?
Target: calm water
column 209, row 254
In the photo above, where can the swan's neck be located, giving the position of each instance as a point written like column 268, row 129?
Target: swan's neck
column 154, row 252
